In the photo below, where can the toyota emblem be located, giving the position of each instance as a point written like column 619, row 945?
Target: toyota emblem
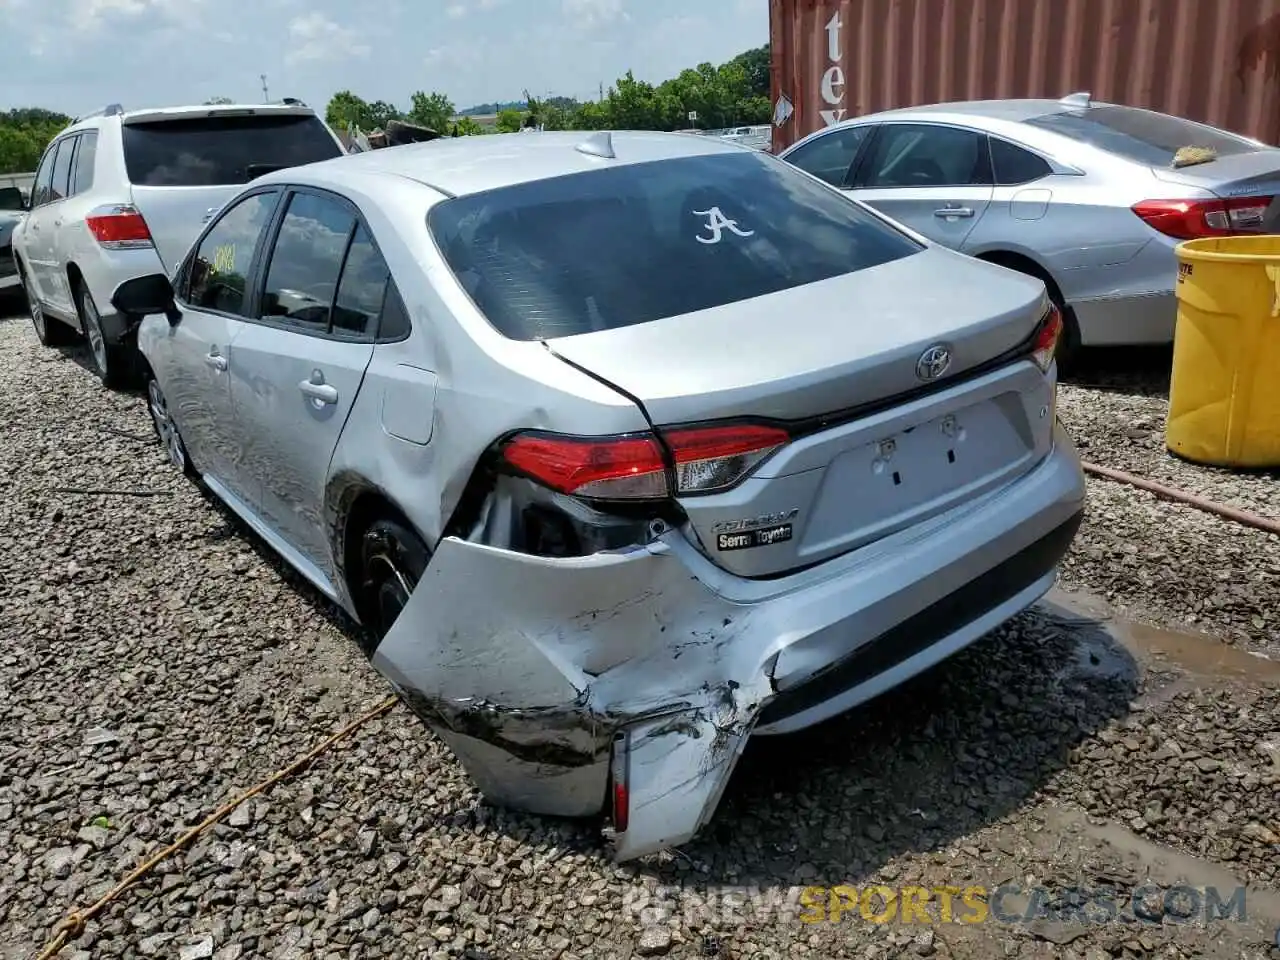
column 934, row 362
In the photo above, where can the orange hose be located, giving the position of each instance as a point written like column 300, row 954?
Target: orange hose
column 1242, row 517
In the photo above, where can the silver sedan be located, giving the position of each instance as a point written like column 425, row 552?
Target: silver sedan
column 1090, row 198
column 621, row 450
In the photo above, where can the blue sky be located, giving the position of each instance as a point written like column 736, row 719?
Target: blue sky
column 78, row 55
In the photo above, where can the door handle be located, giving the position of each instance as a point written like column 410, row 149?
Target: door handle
column 217, row 361
column 318, row 390
column 954, row 212
column 208, row 215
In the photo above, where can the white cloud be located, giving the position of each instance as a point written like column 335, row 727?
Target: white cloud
column 455, row 12
column 593, row 14
column 314, row 36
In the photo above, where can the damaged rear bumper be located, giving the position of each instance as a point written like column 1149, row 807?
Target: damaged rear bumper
column 531, row 668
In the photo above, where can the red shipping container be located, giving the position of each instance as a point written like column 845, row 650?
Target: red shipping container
column 1217, row 61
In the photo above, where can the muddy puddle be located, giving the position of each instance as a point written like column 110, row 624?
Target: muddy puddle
column 1109, row 643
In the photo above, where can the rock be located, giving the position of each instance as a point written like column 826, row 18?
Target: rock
column 197, row 949
column 241, row 816
column 654, row 941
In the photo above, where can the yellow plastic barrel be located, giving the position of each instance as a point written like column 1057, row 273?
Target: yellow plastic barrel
column 1224, row 395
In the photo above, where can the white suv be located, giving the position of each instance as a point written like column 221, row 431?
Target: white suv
column 122, row 194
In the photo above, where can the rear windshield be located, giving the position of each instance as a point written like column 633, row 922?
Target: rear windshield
column 611, row 248
column 1142, row 136
column 219, row 151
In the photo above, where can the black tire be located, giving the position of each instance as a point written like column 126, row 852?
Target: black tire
column 114, row 363
column 392, row 561
column 1068, row 353
column 166, row 429
column 50, row 332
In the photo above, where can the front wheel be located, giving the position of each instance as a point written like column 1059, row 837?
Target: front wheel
column 167, row 429
column 49, row 332
column 392, row 561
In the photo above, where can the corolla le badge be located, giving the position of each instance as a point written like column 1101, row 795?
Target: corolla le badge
column 934, row 362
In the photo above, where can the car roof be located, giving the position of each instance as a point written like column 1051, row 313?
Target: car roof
column 1015, row 111
column 463, row 165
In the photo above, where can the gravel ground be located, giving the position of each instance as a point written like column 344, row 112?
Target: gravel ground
column 1171, row 563
column 156, row 660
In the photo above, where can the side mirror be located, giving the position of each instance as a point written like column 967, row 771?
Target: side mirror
column 143, row 296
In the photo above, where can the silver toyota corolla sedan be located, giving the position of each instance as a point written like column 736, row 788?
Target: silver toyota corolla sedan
column 1089, row 197
column 621, row 449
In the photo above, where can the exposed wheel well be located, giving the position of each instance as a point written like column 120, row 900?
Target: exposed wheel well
column 354, row 519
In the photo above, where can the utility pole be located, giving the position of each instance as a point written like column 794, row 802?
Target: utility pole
column 265, row 98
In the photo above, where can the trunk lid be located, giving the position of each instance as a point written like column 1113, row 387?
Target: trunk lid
column 184, row 164
column 877, row 448
column 817, row 349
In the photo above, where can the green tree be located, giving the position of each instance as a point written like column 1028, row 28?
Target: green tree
column 217, row 101
column 467, row 127
column 380, row 113
column 509, row 120
column 755, row 65
column 24, row 134
column 346, row 111
column 432, row 110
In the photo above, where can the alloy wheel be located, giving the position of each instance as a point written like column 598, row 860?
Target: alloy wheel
column 33, row 307
column 167, row 430
column 93, row 330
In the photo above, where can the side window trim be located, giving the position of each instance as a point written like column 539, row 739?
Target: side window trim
column 858, row 174
column 182, row 290
column 262, row 262
column 71, row 167
column 984, row 156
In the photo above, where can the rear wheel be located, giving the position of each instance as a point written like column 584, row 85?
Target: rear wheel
column 392, row 561
column 112, row 361
column 50, row 332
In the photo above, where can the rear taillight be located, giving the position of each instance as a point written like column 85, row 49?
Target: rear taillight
column 119, row 227
column 1047, row 337
column 632, row 467
column 1194, row 219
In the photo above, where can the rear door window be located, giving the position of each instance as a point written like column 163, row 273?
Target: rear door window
column 219, row 151
column 640, row 242
column 1013, row 165
column 830, row 156
column 1143, row 136
column 82, row 175
column 925, row 155
column 302, row 273
column 362, row 289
